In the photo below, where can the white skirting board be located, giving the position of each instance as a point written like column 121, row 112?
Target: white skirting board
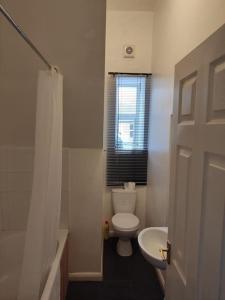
column 86, row 276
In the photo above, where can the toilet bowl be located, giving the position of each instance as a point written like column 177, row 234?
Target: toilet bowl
column 125, row 226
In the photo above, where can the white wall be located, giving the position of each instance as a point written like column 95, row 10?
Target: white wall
column 131, row 5
column 81, row 210
column 179, row 26
column 85, row 211
column 123, row 27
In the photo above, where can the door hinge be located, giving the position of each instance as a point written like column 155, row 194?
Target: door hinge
column 166, row 257
column 168, row 252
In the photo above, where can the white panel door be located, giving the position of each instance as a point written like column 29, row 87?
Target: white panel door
column 197, row 207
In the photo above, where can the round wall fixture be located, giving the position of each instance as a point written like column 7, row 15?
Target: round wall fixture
column 129, row 51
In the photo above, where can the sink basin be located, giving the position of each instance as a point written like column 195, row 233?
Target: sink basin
column 151, row 240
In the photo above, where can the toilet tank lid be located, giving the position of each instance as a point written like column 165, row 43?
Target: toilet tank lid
column 123, row 191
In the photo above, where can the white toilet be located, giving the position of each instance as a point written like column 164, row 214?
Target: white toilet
column 125, row 223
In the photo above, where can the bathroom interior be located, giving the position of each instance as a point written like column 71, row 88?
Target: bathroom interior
column 112, row 149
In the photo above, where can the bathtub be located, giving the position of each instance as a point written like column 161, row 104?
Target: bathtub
column 11, row 256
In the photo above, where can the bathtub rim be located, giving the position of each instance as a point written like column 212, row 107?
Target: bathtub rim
column 63, row 236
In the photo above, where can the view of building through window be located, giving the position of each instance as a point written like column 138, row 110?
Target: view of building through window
column 130, row 113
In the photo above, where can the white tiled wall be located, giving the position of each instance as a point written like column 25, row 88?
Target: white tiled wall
column 65, row 190
column 85, row 210
column 16, row 172
column 82, row 193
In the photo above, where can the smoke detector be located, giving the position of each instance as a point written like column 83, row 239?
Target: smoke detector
column 129, row 51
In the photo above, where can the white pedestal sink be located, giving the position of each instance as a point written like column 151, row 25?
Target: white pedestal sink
column 151, row 241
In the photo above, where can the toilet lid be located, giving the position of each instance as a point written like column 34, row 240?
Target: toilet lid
column 125, row 221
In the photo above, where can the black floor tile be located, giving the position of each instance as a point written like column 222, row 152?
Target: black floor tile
column 125, row 278
column 83, row 291
column 146, row 290
column 115, row 290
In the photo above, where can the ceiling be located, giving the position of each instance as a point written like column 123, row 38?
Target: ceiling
column 141, row 5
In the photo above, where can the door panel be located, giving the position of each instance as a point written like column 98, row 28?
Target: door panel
column 197, row 194
column 216, row 101
column 187, row 98
column 213, row 228
column 181, row 210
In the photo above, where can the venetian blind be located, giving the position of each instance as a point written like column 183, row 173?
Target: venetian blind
column 128, row 122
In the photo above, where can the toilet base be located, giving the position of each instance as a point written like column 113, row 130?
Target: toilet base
column 124, row 247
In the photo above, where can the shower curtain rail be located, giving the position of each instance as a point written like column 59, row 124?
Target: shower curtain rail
column 24, row 36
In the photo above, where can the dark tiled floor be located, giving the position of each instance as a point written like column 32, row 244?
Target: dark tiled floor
column 125, row 278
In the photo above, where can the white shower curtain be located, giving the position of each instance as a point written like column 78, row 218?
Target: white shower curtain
column 43, row 221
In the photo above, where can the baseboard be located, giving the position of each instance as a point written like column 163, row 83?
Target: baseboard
column 86, row 276
column 161, row 278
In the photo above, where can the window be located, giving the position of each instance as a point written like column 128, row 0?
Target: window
column 128, row 110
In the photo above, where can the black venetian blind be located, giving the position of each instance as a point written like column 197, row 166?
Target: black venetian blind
column 128, row 122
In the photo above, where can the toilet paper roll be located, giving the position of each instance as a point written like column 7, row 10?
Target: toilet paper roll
column 129, row 186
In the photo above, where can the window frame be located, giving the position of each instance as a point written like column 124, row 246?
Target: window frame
column 127, row 154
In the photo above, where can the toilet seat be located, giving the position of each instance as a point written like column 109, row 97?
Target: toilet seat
column 125, row 222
